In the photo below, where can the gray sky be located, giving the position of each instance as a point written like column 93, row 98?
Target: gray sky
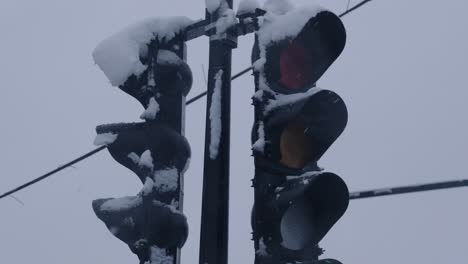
column 402, row 75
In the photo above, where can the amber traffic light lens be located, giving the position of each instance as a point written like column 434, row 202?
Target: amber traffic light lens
column 295, row 146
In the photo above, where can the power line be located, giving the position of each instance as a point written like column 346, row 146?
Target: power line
column 16, row 199
column 248, row 69
column 354, row 8
column 89, row 154
column 347, row 5
column 349, row 10
column 408, row 189
column 195, row 98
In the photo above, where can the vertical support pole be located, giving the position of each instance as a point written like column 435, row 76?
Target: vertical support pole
column 182, row 53
column 215, row 202
column 175, row 120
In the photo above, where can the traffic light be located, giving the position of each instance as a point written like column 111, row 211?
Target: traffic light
column 151, row 223
column 296, row 203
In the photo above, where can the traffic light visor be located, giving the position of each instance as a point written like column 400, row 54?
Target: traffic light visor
column 171, row 149
column 312, row 214
column 295, row 64
column 305, row 134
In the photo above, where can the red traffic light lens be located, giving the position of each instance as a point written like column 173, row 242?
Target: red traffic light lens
column 295, row 66
column 295, row 63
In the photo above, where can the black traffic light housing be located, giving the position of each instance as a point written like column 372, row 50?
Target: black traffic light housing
column 322, row 117
column 169, row 148
column 296, row 203
column 151, row 223
column 310, row 53
column 167, row 79
column 142, row 222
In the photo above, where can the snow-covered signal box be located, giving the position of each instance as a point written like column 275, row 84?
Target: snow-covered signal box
column 296, row 202
column 151, row 223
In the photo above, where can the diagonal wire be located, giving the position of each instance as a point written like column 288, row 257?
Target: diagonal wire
column 195, row 98
column 16, row 199
column 89, row 154
column 408, row 189
column 354, row 7
column 248, row 69
column 53, row 172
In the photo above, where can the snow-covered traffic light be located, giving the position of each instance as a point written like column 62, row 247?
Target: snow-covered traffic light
column 296, row 203
column 150, row 223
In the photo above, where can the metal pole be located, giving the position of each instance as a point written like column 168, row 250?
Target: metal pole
column 215, row 201
column 180, row 127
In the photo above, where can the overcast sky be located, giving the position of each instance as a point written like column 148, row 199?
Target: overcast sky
column 402, row 75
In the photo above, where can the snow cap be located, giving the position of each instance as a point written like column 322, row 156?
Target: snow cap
column 105, row 139
column 118, row 56
column 286, row 25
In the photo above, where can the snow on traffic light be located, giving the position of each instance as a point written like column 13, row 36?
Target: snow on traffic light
column 296, row 202
column 147, row 62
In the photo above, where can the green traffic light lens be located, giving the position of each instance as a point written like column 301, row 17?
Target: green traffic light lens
column 297, row 226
